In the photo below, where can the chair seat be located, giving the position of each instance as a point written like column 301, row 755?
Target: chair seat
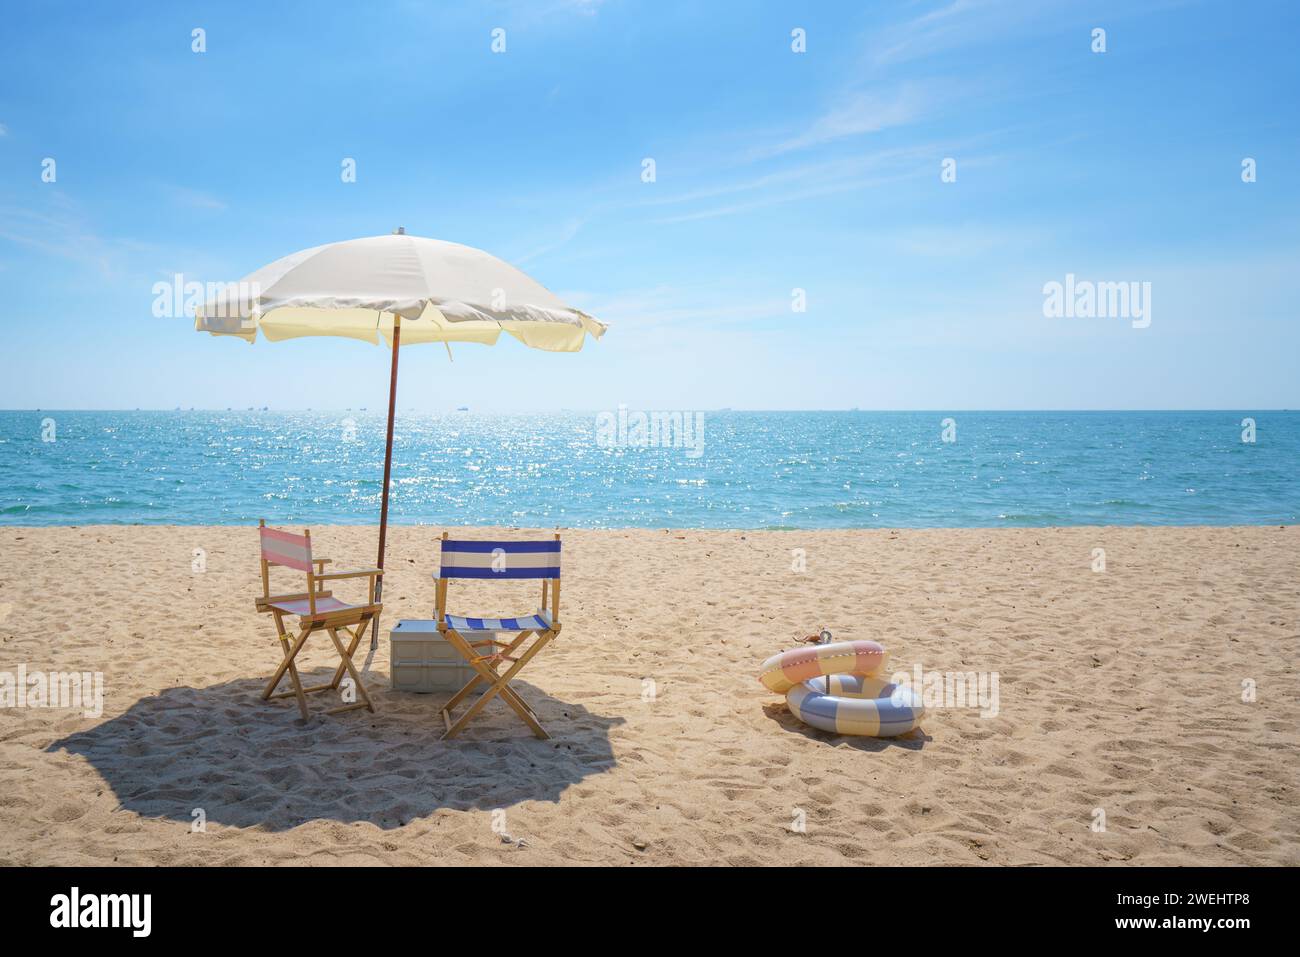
column 303, row 607
column 541, row 621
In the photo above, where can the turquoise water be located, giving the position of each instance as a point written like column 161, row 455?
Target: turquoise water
column 753, row 470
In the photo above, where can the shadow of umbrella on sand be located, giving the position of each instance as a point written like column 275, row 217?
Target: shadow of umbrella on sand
column 210, row 748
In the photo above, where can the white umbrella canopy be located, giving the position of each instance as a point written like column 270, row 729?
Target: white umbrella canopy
column 364, row 288
column 354, row 289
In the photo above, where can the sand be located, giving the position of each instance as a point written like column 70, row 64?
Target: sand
column 1120, row 702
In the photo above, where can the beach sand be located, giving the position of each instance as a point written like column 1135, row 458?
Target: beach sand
column 1118, row 690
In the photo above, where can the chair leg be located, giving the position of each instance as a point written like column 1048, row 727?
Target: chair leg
column 458, row 725
column 497, row 687
column 509, row 694
column 285, row 646
column 506, row 692
column 526, row 713
column 287, row 664
column 514, row 699
column 298, row 690
column 339, row 672
column 347, row 662
column 466, row 650
column 296, row 683
column 352, row 649
column 460, row 695
column 307, row 689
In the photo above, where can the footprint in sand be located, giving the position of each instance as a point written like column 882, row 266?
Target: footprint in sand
column 67, row 811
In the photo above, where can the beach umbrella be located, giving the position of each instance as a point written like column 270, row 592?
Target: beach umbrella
column 366, row 288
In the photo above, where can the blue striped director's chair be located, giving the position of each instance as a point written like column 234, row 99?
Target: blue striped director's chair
column 498, row 560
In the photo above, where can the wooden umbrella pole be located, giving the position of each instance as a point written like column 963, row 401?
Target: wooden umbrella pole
column 388, row 471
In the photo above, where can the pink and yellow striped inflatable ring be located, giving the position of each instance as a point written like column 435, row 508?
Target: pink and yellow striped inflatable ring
column 782, row 672
column 837, row 688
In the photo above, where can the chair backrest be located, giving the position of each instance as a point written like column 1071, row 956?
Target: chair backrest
column 286, row 548
column 463, row 559
column 291, row 551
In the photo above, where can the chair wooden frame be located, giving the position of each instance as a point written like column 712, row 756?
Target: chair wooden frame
column 487, row 665
column 332, row 618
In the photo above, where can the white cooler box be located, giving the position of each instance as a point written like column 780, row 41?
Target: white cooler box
column 421, row 660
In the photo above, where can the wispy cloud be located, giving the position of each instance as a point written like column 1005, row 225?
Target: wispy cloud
column 524, row 12
column 586, row 7
column 806, row 180
column 60, row 233
column 60, row 228
column 961, row 239
column 929, row 31
column 559, row 238
column 858, row 112
column 193, row 198
column 965, row 23
column 718, row 304
column 812, row 191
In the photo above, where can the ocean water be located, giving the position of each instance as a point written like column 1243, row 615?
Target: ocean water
column 742, row 470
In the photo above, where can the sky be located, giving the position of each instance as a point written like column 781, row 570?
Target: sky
column 802, row 244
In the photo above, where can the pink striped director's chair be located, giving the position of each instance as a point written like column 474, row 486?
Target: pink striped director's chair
column 316, row 610
column 498, row 560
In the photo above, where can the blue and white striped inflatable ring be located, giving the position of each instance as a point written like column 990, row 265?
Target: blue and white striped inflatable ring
column 856, row 704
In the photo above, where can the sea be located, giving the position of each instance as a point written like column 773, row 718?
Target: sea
column 628, row 469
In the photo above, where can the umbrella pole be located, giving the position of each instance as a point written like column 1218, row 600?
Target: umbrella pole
column 388, row 471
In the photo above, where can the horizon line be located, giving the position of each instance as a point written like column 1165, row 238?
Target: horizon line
column 936, row 410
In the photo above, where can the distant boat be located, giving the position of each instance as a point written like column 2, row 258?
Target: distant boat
column 462, row 408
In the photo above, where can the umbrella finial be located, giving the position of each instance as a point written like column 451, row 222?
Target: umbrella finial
column 399, row 231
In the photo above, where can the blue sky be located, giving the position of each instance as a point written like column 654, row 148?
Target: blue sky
column 775, row 171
